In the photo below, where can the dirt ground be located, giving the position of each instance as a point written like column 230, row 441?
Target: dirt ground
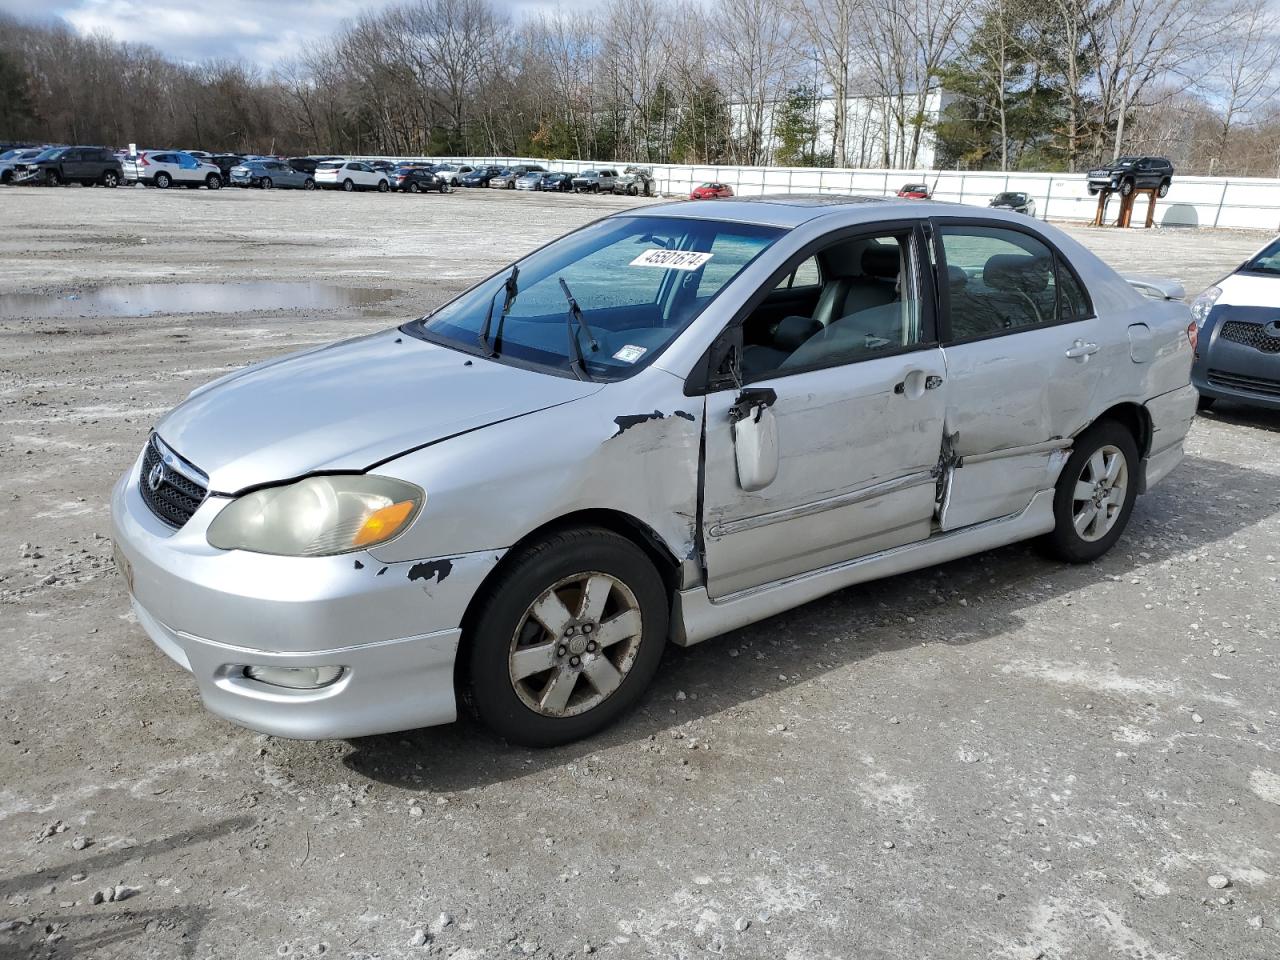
column 998, row 758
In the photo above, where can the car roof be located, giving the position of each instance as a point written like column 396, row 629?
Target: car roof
column 785, row 209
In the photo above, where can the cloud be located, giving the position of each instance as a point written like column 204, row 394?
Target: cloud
column 260, row 33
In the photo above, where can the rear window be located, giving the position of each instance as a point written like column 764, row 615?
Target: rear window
column 329, row 165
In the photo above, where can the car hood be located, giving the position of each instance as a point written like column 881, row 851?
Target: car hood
column 1249, row 290
column 348, row 406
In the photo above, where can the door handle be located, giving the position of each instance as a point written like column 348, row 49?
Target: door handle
column 1080, row 350
column 931, row 382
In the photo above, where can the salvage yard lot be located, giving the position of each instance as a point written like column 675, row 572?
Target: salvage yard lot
column 1001, row 757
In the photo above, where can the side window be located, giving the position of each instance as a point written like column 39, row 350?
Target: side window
column 802, row 277
column 1072, row 302
column 999, row 281
column 869, row 305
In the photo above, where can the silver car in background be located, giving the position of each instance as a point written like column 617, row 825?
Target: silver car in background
column 665, row 425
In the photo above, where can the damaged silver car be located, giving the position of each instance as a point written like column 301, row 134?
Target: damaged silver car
column 661, row 427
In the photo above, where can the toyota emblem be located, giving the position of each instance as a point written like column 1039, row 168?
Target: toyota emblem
column 155, row 477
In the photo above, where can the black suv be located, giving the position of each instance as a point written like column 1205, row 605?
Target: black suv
column 86, row 165
column 1132, row 173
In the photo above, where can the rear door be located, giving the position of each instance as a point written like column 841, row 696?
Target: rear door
column 1024, row 354
column 830, row 454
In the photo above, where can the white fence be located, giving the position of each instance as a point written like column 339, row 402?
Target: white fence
column 1240, row 203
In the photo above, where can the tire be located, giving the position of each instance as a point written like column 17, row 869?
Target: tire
column 308, row 184
column 1093, row 191
column 1092, row 458
column 348, row 186
column 163, row 181
column 213, row 182
column 414, row 187
column 111, row 179
column 52, row 178
column 6, row 178
column 266, row 183
column 1163, row 190
column 1204, row 403
column 383, row 186
column 632, row 191
column 1126, row 187
column 527, row 711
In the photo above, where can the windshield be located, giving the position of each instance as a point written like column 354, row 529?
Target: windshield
column 52, row 153
column 638, row 281
column 1267, row 261
column 1009, row 198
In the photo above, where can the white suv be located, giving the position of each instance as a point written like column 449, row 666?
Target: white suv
column 167, row 168
column 350, row 175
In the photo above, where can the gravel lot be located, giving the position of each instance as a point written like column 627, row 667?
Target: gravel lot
column 999, row 758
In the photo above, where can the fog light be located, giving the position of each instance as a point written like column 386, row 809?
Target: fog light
column 297, row 678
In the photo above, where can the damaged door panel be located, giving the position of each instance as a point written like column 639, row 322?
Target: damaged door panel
column 855, row 469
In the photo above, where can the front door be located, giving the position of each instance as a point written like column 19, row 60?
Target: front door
column 1024, row 354
column 829, row 450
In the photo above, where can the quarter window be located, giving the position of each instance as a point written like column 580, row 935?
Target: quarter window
column 1000, row 281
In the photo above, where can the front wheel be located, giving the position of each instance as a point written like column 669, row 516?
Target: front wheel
column 266, row 183
column 1164, row 189
column 1126, row 188
column 308, row 184
column 1095, row 494
column 53, row 178
column 414, row 188
column 383, row 186
column 111, row 179
column 567, row 637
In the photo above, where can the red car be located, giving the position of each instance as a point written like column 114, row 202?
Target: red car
column 914, row 191
column 711, row 191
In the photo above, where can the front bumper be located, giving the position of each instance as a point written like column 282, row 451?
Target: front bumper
column 1228, row 370
column 394, row 627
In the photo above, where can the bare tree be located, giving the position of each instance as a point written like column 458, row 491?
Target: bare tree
column 755, row 54
column 830, row 26
column 1246, row 73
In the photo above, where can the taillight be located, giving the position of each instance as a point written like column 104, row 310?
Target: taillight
column 142, row 159
column 1193, row 335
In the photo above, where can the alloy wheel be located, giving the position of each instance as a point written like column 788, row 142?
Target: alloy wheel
column 575, row 644
column 1099, row 496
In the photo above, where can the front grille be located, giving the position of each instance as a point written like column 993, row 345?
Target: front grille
column 1251, row 335
column 170, row 495
column 1234, row 381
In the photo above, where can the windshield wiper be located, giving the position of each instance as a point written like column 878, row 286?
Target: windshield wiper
column 579, row 363
column 512, row 288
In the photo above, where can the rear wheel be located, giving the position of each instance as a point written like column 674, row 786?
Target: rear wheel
column 1095, row 493
column 266, row 183
column 1126, row 188
column 111, row 179
column 414, row 188
column 1164, row 189
column 163, row 180
column 213, row 182
column 568, row 636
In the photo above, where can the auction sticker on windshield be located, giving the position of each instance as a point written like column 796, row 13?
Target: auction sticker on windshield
column 671, row 259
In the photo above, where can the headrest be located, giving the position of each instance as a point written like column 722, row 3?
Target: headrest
column 956, row 277
column 881, row 262
column 1018, row 271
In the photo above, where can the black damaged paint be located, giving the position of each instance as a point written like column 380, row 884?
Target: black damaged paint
column 359, row 565
column 439, row 569
column 382, row 571
column 625, row 423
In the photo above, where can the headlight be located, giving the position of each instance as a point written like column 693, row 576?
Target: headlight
column 1202, row 304
column 318, row 517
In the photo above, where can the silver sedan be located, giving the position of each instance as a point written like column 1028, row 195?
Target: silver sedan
column 661, row 427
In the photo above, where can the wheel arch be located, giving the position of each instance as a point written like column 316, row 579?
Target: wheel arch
column 615, row 521
column 1135, row 418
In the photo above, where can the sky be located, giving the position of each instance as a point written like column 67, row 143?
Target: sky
column 263, row 32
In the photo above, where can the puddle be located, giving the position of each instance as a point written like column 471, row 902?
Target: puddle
column 176, row 298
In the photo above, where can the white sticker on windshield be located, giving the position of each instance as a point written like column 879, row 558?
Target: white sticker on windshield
column 630, row 353
column 671, row 259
